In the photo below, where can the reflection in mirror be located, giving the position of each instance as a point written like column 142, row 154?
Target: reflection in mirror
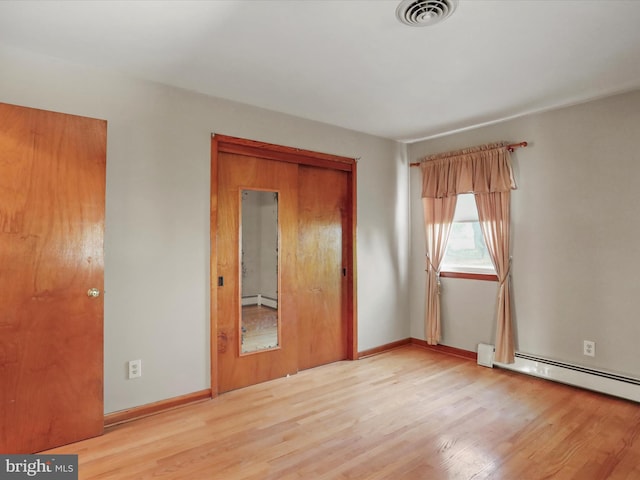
column 259, row 263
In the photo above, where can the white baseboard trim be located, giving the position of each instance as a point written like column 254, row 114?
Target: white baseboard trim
column 260, row 300
column 578, row 376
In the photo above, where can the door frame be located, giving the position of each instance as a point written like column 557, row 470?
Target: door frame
column 242, row 146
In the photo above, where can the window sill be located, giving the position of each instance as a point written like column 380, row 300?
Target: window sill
column 489, row 277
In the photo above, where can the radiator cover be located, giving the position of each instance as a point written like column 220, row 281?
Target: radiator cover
column 591, row 379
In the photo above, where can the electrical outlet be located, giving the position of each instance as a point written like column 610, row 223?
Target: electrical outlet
column 135, row 368
column 589, row 348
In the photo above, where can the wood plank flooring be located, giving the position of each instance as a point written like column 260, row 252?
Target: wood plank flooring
column 259, row 328
column 405, row 414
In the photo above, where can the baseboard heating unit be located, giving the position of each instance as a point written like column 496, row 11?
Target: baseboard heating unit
column 599, row 381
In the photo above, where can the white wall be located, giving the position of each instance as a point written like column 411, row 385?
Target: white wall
column 268, row 212
column 575, row 237
column 157, row 220
column 250, row 259
column 259, row 244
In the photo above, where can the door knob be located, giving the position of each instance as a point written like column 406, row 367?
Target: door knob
column 93, row 293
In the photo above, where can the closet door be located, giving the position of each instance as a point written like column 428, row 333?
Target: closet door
column 52, row 194
column 322, row 266
column 255, row 341
column 316, row 254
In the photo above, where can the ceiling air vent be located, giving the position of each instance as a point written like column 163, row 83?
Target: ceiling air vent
column 421, row 13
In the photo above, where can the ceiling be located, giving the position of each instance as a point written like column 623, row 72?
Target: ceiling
column 351, row 63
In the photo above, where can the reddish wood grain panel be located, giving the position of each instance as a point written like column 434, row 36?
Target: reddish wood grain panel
column 231, row 147
column 52, row 191
column 322, row 266
column 237, row 172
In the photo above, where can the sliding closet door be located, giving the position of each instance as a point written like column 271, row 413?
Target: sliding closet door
column 315, row 194
column 322, row 266
column 256, row 316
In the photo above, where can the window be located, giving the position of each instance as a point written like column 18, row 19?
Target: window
column 466, row 249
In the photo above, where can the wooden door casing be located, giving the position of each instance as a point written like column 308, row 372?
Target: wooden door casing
column 52, row 194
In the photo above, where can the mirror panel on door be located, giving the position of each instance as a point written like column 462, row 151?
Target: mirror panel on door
column 260, row 319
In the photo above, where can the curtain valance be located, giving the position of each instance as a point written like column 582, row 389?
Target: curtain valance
column 481, row 169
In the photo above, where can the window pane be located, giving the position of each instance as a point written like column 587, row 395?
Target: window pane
column 466, row 246
column 466, row 250
column 466, row 210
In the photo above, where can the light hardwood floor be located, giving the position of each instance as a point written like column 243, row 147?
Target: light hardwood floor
column 405, row 414
column 259, row 328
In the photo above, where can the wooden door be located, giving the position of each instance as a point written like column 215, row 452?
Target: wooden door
column 318, row 284
column 52, row 191
column 322, row 266
column 237, row 173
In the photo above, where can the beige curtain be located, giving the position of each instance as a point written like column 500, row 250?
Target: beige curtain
column 485, row 171
column 493, row 213
column 438, row 216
